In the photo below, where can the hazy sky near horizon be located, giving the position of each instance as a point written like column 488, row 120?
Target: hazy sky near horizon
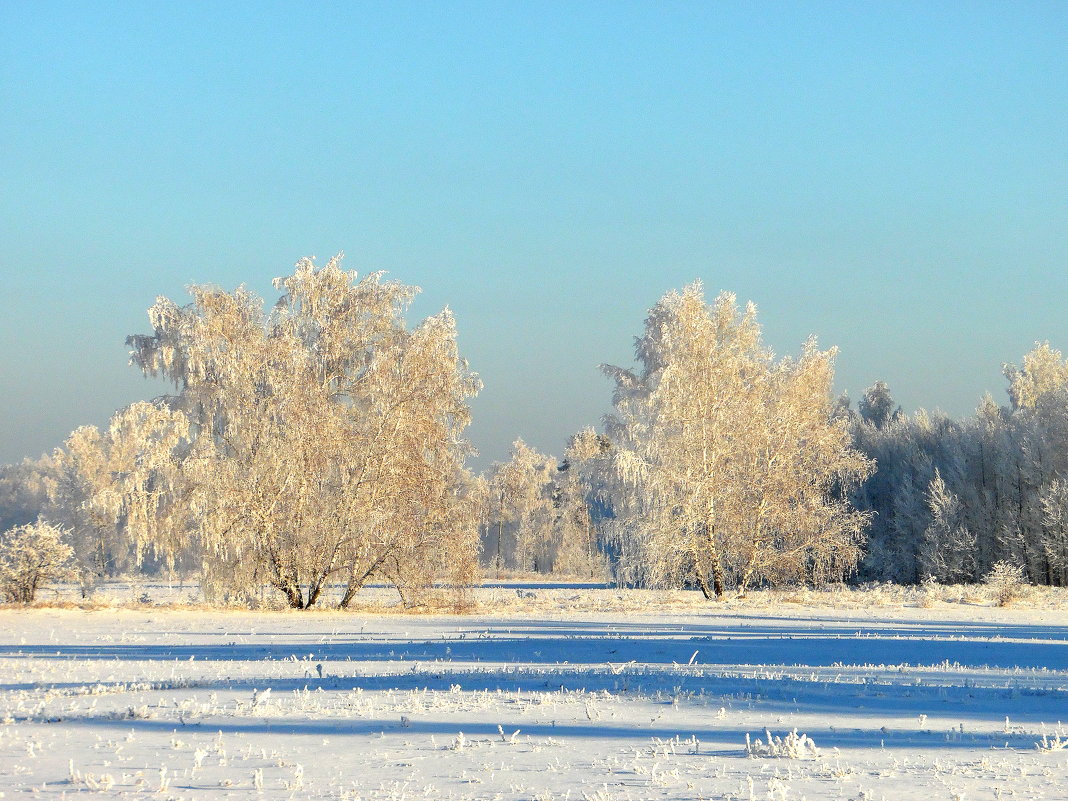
column 891, row 177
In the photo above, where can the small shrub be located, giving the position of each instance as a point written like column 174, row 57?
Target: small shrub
column 1007, row 583
column 30, row 556
column 1058, row 742
column 931, row 592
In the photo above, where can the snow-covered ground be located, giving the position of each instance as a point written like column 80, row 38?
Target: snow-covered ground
column 548, row 701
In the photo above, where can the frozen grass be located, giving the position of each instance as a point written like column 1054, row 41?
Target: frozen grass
column 538, row 595
column 554, row 693
column 790, row 746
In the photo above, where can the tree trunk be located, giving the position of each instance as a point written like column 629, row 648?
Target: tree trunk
column 351, row 590
column 292, row 592
column 589, row 543
column 702, row 582
column 717, row 580
column 313, row 592
column 355, row 583
column 743, row 584
column 713, row 557
column 500, row 536
column 707, row 590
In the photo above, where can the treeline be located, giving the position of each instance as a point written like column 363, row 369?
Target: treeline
column 949, row 499
column 946, row 499
column 318, row 445
column 952, row 498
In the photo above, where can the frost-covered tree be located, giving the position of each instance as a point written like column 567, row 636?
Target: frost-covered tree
column 1055, row 530
column 538, row 514
column 949, row 552
column 495, row 519
column 86, row 503
column 32, row 555
column 908, row 452
column 520, row 531
column 24, row 490
column 119, row 491
column 998, row 474
column 577, row 482
column 1039, row 394
column 325, row 438
column 733, row 464
column 878, row 407
column 1044, row 371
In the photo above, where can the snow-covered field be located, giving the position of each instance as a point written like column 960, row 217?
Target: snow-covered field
column 547, row 701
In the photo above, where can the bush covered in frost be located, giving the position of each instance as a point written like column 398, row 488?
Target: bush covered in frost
column 1007, row 583
column 31, row 556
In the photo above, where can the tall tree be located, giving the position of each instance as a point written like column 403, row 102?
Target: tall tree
column 949, row 552
column 951, row 498
column 119, row 491
column 522, row 537
column 734, row 464
column 325, row 436
column 576, row 485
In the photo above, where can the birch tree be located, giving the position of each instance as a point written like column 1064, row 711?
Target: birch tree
column 119, row 491
column 949, row 551
column 325, row 438
column 1055, row 531
column 576, row 484
column 877, row 407
column 537, row 514
column 521, row 534
column 731, row 459
column 952, row 498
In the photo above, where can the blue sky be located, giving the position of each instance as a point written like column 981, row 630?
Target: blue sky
column 891, row 177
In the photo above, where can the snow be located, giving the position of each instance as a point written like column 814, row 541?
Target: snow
column 655, row 698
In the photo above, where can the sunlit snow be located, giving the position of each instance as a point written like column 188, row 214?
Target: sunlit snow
column 656, row 699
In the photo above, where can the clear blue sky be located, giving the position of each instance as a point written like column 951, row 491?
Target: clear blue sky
column 892, row 177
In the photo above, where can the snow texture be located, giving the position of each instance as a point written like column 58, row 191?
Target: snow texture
column 723, row 702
